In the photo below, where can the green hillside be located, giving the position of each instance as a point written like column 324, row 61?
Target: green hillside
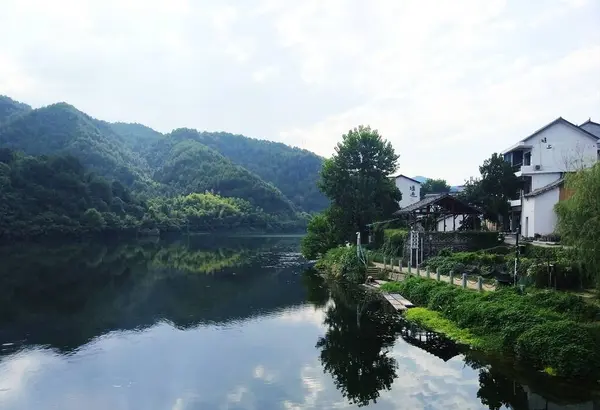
column 138, row 137
column 62, row 129
column 187, row 166
column 64, row 171
column 10, row 109
column 293, row 170
column 54, row 194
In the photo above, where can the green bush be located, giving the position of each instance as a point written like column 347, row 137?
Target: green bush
column 566, row 347
column 459, row 262
column 498, row 250
column 519, row 323
column 343, row 263
column 393, row 242
column 568, row 304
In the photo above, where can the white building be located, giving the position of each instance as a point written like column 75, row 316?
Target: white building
column 541, row 160
column 410, row 189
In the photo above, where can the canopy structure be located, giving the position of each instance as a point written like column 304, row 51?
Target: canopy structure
column 439, row 206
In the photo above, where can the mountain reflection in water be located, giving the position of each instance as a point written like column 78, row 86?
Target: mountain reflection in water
column 211, row 322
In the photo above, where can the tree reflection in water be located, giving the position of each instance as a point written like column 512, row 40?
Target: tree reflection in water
column 354, row 350
column 361, row 329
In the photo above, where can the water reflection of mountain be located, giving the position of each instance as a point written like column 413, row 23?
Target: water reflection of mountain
column 64, row 295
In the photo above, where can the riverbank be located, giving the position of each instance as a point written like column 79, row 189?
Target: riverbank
column 550, row 331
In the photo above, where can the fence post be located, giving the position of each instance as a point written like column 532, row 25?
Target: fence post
column 384, row 259
column 464, row 281
column 418, row 270
column 451, row 278
column 400, row 264
column 437, row 274
column 409, row 269
column 480, row 284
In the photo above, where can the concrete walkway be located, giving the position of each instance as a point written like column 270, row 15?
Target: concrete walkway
column 398, row 275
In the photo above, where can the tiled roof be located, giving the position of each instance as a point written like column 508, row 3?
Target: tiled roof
column 446, row 201
column 545, row 188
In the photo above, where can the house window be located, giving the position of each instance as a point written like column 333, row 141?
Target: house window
column 527, row 158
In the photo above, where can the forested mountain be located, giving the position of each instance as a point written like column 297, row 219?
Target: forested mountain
column 48, row 194
column 293, row 170
column 62, row 129
column 188, row 166
column 138, row 137
column 10, row 109
column 64, row 171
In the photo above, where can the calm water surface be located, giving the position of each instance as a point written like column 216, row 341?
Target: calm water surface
column 225, row 323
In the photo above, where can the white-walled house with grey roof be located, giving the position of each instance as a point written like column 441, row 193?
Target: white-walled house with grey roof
column 541, row 160
column 410, row 189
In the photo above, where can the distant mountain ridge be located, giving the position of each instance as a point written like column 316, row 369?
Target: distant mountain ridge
column 422, row 180
column 273, row 176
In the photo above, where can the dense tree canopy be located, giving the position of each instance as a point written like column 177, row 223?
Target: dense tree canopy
column 493, row 191
column 434, row 186
column 356, row 180
column 44, row 194
column 123, row 164
column 62, row 129
column 188, row 166
column 293, row 170
column 10, row 109
column 579, row 217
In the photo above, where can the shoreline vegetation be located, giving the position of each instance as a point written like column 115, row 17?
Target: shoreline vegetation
column 553, row 332
column 550, row 331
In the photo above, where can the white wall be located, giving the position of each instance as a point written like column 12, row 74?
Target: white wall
column 570, row 149
column 449, row 223
column 540, row 180
column 408, row 196
column 537, row 214
column 527, row 216
column 545, row 217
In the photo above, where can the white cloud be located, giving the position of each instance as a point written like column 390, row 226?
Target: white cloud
column 447, row 83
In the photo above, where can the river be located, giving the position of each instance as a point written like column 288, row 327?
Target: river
column 209, row 322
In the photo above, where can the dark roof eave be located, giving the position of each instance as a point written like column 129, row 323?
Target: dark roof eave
column 414, row 208
column 545, row 188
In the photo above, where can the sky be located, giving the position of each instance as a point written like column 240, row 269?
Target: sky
column 448, row 83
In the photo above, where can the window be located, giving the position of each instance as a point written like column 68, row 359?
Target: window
column 527, row 158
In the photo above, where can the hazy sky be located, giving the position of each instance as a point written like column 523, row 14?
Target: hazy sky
column 448, row 82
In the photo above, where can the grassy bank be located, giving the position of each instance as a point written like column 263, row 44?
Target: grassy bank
column 548, row 330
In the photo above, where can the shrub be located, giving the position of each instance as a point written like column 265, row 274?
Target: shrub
column 524, row 324
column 497, row 250
column 343, row 262
column 566, row 303
column 567, row 347
column 445, row 252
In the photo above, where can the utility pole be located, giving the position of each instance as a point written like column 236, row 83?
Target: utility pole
column 517, row 253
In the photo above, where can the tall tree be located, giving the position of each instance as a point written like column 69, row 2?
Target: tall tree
column 434, row 186
column 497, row 185
column 356, row 180
column 579, row 218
